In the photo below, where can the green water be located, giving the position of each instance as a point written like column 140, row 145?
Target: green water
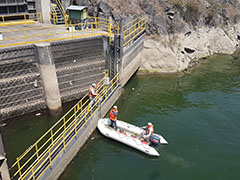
column 198, row 113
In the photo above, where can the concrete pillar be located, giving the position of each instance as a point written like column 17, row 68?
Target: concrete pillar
column 49, row 77
column 106, row 46
column 107, row 52
column 43, row 6
column 4, row 173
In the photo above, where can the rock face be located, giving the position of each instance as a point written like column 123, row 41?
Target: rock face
column 176, row 52
column 180, row 32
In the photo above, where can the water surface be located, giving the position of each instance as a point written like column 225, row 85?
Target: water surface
column 197, row 112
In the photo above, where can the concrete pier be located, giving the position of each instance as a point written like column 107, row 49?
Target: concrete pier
column 43, row 6
column 49, row 77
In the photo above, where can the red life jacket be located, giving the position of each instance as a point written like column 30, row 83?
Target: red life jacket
column 90, row 91
column 148, row 129
column 112, row 115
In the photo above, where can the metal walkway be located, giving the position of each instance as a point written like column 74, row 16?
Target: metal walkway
column 20, row 35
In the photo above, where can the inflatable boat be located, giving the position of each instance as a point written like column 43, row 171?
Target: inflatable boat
column 131, row 135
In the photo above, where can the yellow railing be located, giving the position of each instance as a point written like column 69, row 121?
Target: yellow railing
column 105, row 24
column 38, row 157
column 23, row 19
column 59, row 4
column 53, row 14
column 133, row 29
column 95, row 26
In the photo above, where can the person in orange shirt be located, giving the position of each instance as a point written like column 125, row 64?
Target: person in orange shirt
column 149, row 131
column 113, row 117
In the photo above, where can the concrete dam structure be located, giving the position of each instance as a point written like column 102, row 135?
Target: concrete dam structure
column 47, row 74
column 73, row 65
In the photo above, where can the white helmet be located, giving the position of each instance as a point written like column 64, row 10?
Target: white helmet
column 115, row 107
column 93, row 84
column 149, row 123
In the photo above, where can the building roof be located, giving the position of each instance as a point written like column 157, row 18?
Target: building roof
column 76, row 8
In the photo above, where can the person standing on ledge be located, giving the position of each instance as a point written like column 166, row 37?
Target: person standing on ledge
column 113, row 117
column 92, row 93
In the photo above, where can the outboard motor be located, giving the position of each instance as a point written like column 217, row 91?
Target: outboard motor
column 154, row 140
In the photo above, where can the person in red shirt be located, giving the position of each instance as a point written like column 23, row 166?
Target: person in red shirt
column 113, row 117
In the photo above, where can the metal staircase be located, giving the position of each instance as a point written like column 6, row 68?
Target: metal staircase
column 57, row 12
column 56, row 15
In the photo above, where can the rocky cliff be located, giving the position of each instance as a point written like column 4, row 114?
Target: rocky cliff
column 180, row 32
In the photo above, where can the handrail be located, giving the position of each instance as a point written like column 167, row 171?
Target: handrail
column 133, row 29
column 67, row 125
column 51, row 33
column 53, row 14
column 25, row 17
column 57, row 131
column 59, row 4
column 130, row 23
column 22, row 36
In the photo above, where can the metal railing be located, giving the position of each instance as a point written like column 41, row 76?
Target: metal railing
column 53, row 14
column 39, row 157
column 95, row 26
column 133, row 29
column 61, row 9
column 23, row 19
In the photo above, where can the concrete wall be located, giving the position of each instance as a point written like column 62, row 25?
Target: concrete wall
column 21, row 86
column 78, row 63
column 131, row 60
column 43, row 6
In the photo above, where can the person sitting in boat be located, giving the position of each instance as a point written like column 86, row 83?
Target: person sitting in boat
column 92, row 92
column 149, row 130
column 113, row 117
